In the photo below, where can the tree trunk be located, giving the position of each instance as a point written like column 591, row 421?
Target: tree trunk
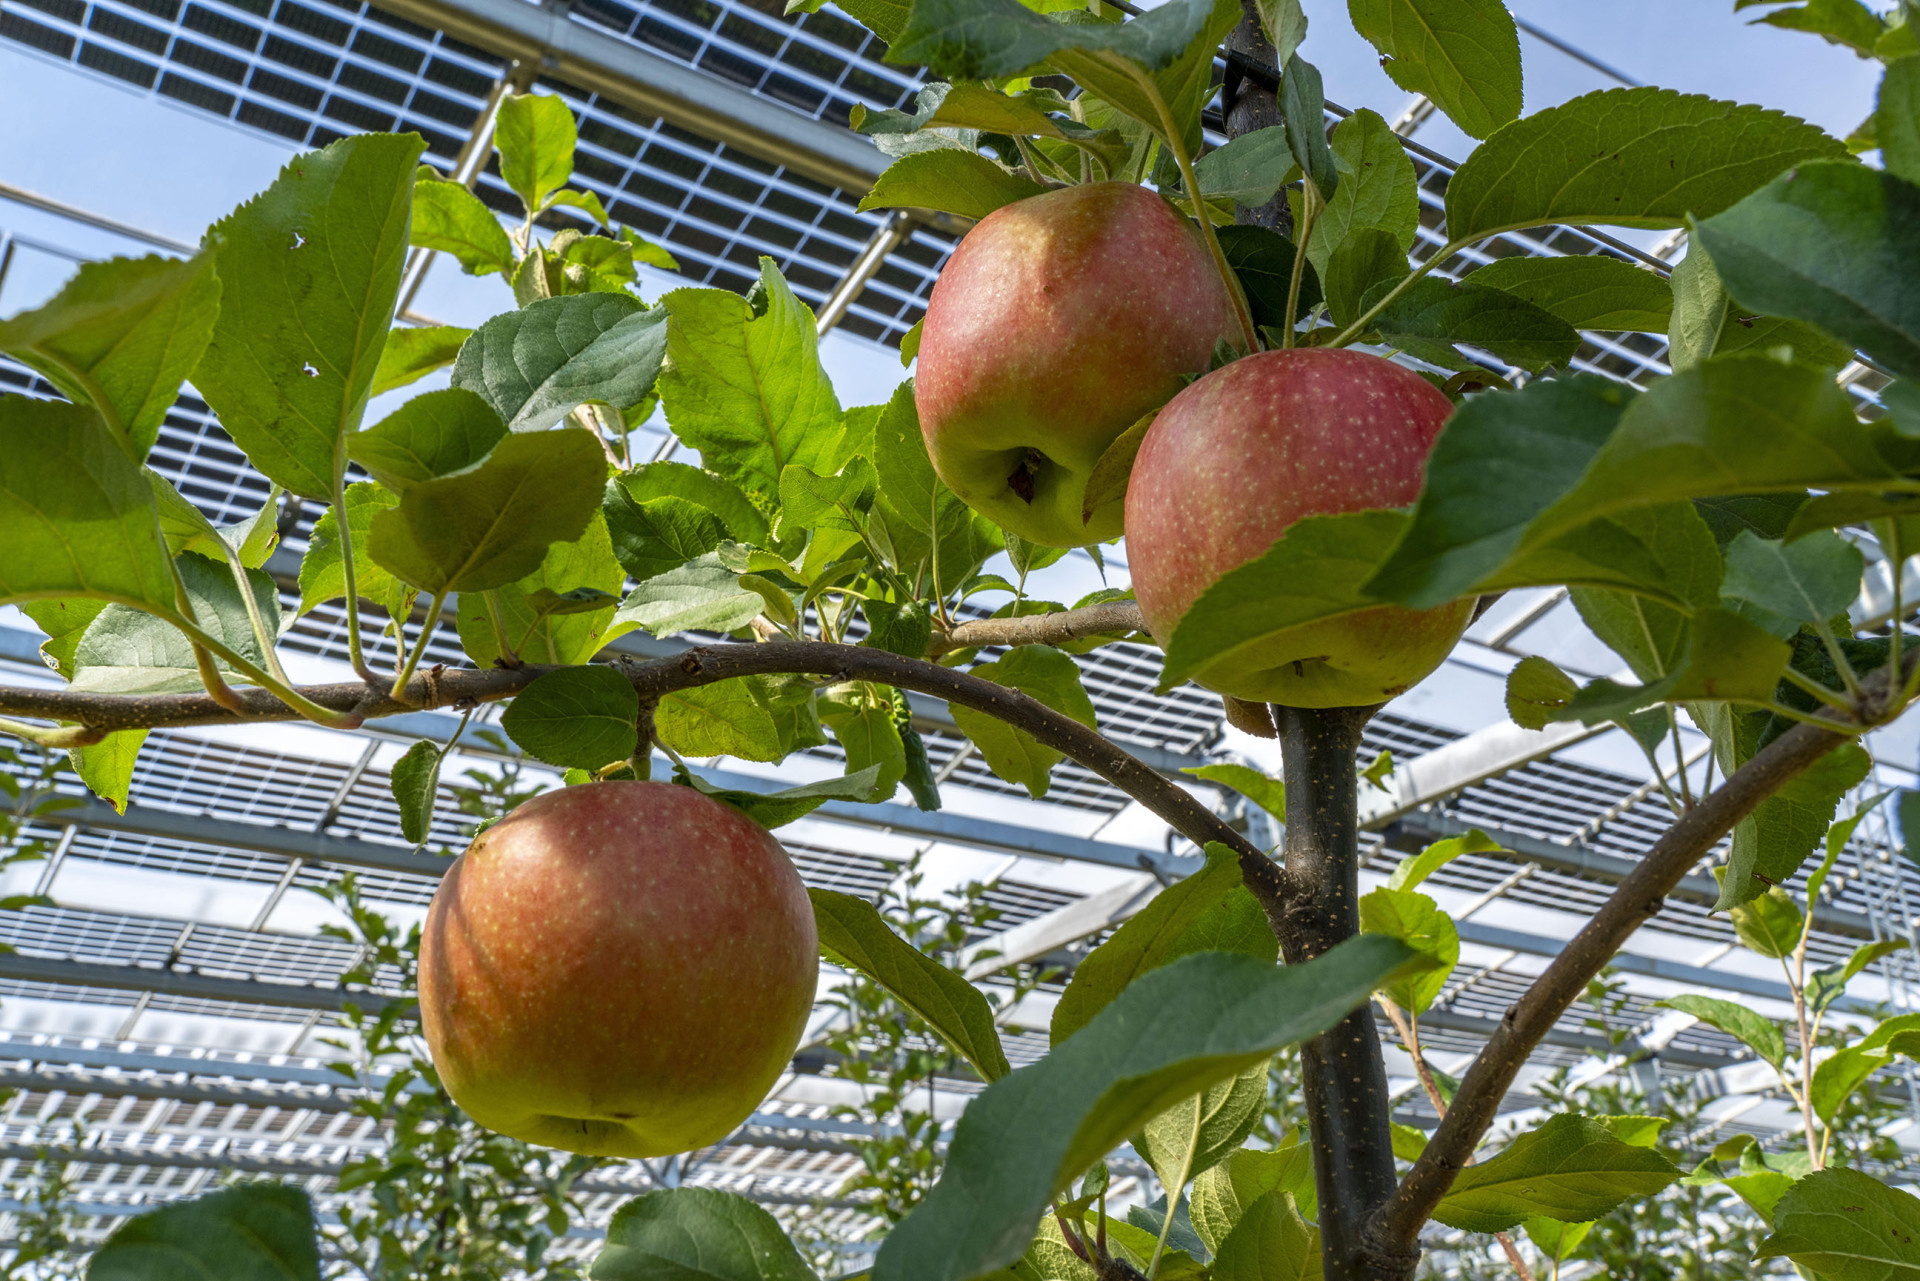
column 1248, row 106
column 1343, row 1073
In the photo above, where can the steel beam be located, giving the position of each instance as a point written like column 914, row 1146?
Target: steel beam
column 182, row 983
column 1479, row 756
column 644, row 81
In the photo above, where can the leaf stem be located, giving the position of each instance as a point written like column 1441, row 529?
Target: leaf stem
column 1359, row 326
column 285, row 693
column 268, row 643
column 405, row 674
column 1839, row 657
column 1309, row 214
column 1175, row 143
column 216, row 684
column 343, row 529
column 1801, row 681
column 55, row 736
column 509, row 652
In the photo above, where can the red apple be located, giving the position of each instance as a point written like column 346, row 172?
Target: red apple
column 1244, row 453
column 619, row 969
column 1058, row 323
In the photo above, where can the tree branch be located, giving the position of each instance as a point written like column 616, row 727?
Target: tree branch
column 1396, row 1227
column 704, row 665
column 1041, row 629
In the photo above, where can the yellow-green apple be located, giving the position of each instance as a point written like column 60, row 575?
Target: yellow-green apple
column 1058, row 323
column 620, row 969
column 1242, row 454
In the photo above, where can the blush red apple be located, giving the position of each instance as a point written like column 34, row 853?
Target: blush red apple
column 619, row 969
column 1058, row 323
column 1236, row 459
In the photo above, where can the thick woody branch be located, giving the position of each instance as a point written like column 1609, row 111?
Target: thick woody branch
column 705, row 665
column 1640, row 896
column 1108, row 618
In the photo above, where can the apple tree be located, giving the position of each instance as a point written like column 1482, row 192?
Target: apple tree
column 1142, row 335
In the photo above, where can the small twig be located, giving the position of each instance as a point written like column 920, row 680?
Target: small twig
column 1039, row 629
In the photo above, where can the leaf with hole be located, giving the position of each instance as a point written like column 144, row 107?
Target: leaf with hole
column 309, row 273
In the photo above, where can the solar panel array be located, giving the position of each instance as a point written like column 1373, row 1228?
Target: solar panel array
column 176, row 1085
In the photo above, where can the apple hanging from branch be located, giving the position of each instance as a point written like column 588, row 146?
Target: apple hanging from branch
column 618, row 969
column 1058, row 323
column 1241, row 455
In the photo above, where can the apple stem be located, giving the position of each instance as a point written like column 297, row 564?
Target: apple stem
column 1170, row 135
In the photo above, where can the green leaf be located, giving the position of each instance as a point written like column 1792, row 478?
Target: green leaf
column 995, row 39
column 412, row 353
column 1271, row 1242
column 899, row 627
column 1222, row 1195
column 1826, row 984
column 536, row 365
column 1589, row 291
column 1198, row 1133
column 660, row 534
column 1571, row 1168
column 1896, row 120
column 1770, row 844
column 1171, row 926
column 1270, row 794
column 1285, row 24
column 1770, row 924
column 415, row 783
column 129, row 651
column 253, row 1232
column 1627, row 158
column 1366, row 261
column 1303, row 105
column 1433, row 314
column 106, row 767
column 1538, row 692
column 1527, row 447
column 1249, row 169
column 1727, row 658
column 309, row 273
column 948, row 180
column 121, row 335
column 1842, row 1225
column 451, row 219
column 1706, row 322
column 723, row 719
column 748, row 391
column 575, row 716
column 1463, row 54
column 1416, row 868
column 1173, row 1033
column 1416, row 920
column 77, row 516
column 1806, row 581
column 1832, row 244
column 860, row 714
column 1754, row 1030
column 1263, row 261
column 1554, row 1239
column 322, row 577
column 433, row 435
column 744, row 522
column 1313, row 572
column 492, row 525
column 535, row 137
column 1377, row 190
column 1046, row 675
column 1847, row 23
column 697, row 1234
column 778, row 808
column 809, row 500
column 64, row 619
column 854, row 936
column 701, row 595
